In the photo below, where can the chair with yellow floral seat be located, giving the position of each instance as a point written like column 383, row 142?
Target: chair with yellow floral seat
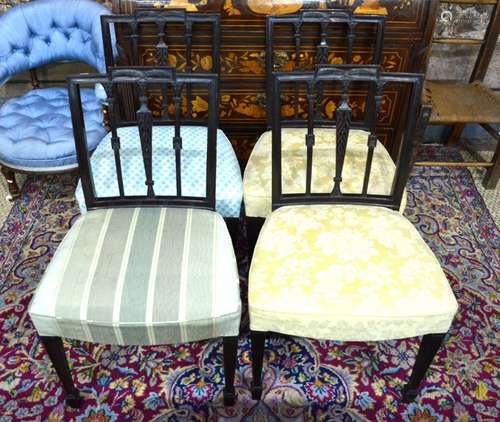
column 178, row 36
column 150, row 269
column 306, row 26
column 340, row 265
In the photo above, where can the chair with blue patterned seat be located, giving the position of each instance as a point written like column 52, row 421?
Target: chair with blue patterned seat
column 143, row 267
column 36, row 135
column 182, row 30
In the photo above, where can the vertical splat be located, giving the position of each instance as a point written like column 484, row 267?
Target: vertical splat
column 310, row 134
column 177, row 139
column 115, row 139
column 189, row 63
column 145, row 123
column 162, row 60
column 323, row 48
column 134, row 26
column 351, row 35
column 343, row 125
column 161, row 47
column 296, row 35
column 372, row 137
column 321, row 58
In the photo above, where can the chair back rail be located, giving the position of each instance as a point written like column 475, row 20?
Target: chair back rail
column 326, row 20
column 343, row 76
column 144, row 80
column 132, row 28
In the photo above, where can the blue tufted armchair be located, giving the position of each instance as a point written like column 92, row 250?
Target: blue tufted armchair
column 36, row 134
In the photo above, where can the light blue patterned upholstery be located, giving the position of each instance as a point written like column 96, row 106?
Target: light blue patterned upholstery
column 36, row 131
column 229, row 185
column 48, row 31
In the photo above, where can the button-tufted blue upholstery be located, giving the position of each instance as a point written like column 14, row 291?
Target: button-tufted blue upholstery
column 36, row 131
column 47, row 31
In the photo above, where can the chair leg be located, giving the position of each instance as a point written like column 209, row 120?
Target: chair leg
column 233, row 227
column 454, row 135
column 423, row 122
column 493, row 173
column 10, row 177
column 254, row 225
column 230, row 345
column 258, row 340
column 428, row 348
column 55, row 350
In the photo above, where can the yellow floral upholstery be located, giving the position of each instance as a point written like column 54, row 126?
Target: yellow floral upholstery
column 257, row 178
column 348, row 273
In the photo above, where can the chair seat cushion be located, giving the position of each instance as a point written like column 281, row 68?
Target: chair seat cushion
column 36, row 132
column 141, row 276
column 257, row 179
column 229, row 185
column 348, row 273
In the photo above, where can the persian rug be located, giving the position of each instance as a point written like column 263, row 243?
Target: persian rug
column 305, row 380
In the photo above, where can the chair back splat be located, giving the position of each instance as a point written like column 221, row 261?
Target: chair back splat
column 176, row 32
column 144, row 81
column 343, row 80
column 319, row 30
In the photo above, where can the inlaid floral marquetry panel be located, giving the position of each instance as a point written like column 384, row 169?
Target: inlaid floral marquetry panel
column 251, row 63
column 244, row 107
column 396, row 10
column 401, row 8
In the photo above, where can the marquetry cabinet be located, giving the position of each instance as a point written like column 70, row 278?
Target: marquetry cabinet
column 408, row 33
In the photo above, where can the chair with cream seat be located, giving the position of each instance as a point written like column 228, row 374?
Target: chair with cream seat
column 35, row 129
column 147, row 268
column 257, row 176
column 345, row 265
column 181, row 30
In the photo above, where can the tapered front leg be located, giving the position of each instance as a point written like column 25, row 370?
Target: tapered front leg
column 233, row 227
column 230, row 345
column 254, row 225
column 428, row 348
column 258, row 339
column 55, row 350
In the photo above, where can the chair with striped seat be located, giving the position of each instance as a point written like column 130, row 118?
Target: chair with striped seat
column 149, row 268
column 345, row 265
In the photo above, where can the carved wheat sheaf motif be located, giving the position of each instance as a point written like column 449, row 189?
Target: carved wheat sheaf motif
column 161, row 53
column 343, row 114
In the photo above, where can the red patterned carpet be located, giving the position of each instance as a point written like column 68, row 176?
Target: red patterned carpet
column 305, row 380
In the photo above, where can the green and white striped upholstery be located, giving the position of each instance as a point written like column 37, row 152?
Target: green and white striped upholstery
column 141, row 276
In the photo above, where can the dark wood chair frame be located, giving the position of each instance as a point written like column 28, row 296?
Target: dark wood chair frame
column 157, row 22
column 142, row 78
column 327, row 21
column 345, row 76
